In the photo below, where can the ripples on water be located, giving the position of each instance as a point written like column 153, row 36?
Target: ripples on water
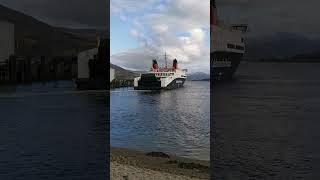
column 266, row 123
column 175, row 121
column 52, row 131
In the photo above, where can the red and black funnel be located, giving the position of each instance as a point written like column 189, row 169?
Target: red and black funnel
column 213, row 12
column 154, row 64
column 175, row 64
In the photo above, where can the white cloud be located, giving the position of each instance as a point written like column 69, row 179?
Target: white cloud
column 177, row 27
column 118, row 6
column 160, row 29
column 134, row 33
column 198, row 35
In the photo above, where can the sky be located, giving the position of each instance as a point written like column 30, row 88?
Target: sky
column 144, row 29
column 65, row 13
column 267, row 17
column 147, row 30
column 263, row 16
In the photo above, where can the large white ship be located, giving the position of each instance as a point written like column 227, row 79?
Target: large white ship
column 227, row 46
column 161, row 78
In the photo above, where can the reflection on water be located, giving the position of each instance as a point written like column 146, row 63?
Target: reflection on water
column 266, row 123
column 176, row 121
column 52, row 131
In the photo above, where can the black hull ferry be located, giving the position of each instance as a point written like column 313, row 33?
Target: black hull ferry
column 224, row 65
column 227, row 46
column 161, row 78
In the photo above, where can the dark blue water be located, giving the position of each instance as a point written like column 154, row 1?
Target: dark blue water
column 175, row 121
column 266, row 123
column 52, row 131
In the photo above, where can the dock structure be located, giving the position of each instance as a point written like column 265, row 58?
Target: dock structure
column 6, row 48
column 7, row 40
column 17, row 67
column 120, row 83
column 112, row 74
column 93, row 66
column 31, row 69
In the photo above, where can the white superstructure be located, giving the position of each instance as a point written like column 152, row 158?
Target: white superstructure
column 167, row 77
column 228, row 38
column 161, row 78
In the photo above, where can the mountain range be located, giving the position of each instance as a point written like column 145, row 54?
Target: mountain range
column 36, row 38
column 124, row 74
column 281, row 45
column 198, row 76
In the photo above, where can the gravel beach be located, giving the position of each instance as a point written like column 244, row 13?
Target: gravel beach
column 135, row 165
column 126, row 172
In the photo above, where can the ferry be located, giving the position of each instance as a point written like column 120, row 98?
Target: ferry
column 161, row 78
column 227, row 46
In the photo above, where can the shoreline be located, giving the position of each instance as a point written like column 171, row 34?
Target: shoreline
column 133, row 164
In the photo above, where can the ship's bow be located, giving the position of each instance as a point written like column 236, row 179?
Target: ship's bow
column 147, row 82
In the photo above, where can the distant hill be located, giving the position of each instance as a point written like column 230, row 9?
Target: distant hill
column 35, row 38
column 309, row 56
column 198, row 76
column 280, row 45
column 121, row 73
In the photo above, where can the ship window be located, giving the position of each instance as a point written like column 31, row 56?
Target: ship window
column 242, row 40
column 240, row 47
column 231, row 46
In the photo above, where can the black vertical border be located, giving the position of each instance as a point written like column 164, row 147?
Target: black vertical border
column 212, row 3
column 107, row 65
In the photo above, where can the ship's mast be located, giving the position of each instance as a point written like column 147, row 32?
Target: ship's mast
column 165, row 58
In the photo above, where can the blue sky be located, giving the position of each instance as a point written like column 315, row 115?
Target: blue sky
column 121, row 39
column 146, row 29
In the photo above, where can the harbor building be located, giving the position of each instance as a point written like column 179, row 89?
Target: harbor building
column 7, row 40
column 112, row 73
column 93, row 66
column 7, row 46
